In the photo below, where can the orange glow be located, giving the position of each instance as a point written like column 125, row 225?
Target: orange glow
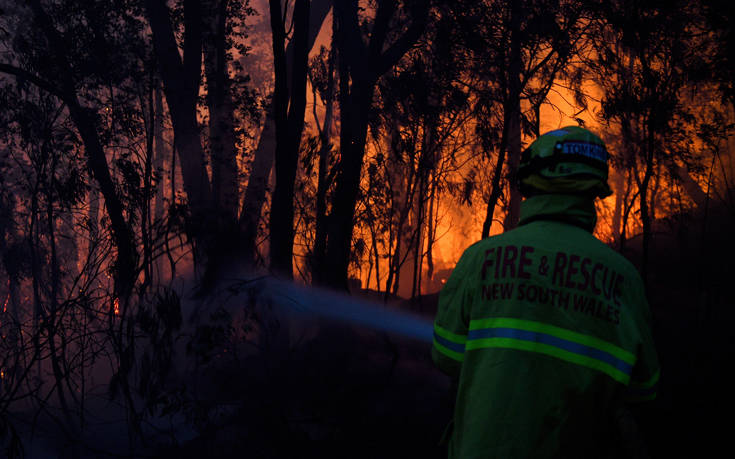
column 116, row 305
column 458, row 225
column 7, row 298
column 2, row 374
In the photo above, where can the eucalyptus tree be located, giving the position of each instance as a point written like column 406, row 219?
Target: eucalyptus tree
column 323, row 78
column 255, row 194
column 365, row 54
column 645, row 56
column 214, row 32
column 82, row 55
column 419, row 133
column 289, row 103
column 517, row 51
column 78, row 75
column 181, row 76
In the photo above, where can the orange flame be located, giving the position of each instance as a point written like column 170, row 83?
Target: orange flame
column 116, row 306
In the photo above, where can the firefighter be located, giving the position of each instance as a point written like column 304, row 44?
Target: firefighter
column 544, row 328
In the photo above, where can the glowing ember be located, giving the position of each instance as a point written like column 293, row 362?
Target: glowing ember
column 2, row 374
column 116, row 305
column 7, row 298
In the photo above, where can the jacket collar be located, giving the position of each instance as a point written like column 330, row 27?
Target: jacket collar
column 571, row 209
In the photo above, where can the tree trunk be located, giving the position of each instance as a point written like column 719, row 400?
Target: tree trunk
column 643, row 199
column 324, row 179
column 365, row 65
column 376, row 254
column 145, row 208
column 510, row 138
column 408, row 231
column 654, row 192
column 221, row 113
column 181, row 86
column 618, row 184
column 513, row 118
column 352, row 146
column 495, row 185
column 159, row 160
column 84, row 121
column 402, row 178
column 255, row 193
column 260, row 169
column 690, row 185
column 289, row 113
column 627, row 207
column 431, row 230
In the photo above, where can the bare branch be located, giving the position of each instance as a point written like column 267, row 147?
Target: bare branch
column 20, row 73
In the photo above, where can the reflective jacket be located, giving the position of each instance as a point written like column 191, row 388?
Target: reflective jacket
column 547, row 330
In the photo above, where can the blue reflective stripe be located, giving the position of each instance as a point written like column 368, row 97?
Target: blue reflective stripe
column 452, row 346
column 551, row 340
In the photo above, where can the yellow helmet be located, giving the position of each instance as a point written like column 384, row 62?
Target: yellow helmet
column 570, row 160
